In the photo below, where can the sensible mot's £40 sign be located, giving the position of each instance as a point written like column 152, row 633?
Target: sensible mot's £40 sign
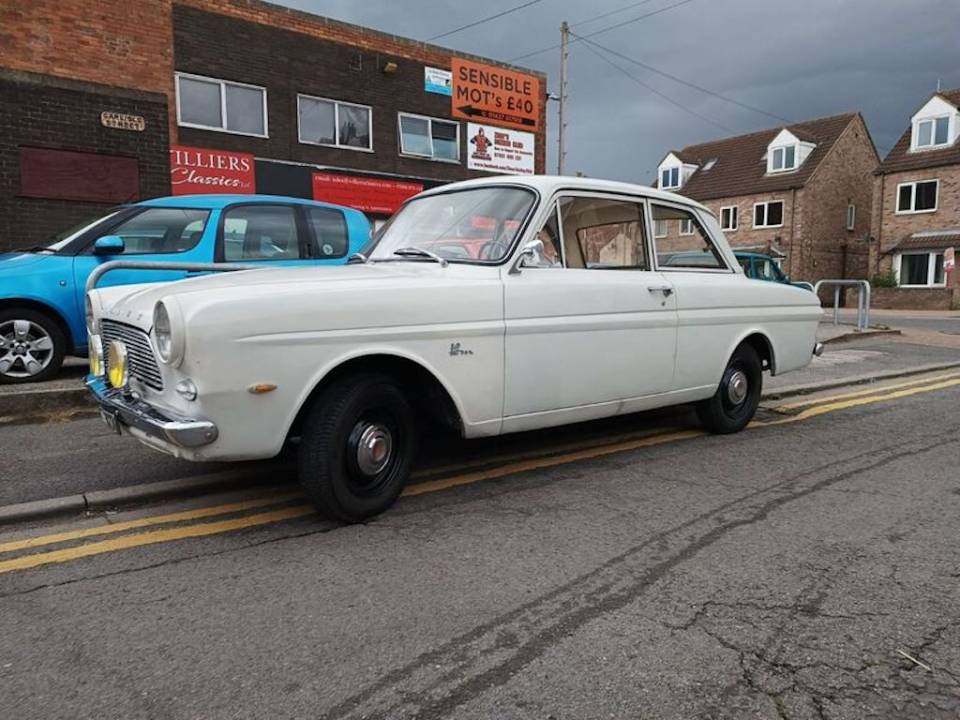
column 496, row 95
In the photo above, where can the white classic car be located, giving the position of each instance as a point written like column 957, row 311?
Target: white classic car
column 491, row 306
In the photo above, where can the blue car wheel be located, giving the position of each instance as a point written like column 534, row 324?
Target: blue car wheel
column 32, row 346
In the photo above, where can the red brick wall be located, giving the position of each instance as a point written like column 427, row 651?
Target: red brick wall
column 109, row 42
column 747, row 236
column 844, row 176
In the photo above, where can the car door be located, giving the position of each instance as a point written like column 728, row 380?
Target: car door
column 711, row 305
column 589, row 324
column 153, row 234
column 267, row 233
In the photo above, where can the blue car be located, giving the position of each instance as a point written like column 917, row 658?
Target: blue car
column 42, row 288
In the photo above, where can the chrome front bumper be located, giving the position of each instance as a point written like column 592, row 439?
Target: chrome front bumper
column 121, row 410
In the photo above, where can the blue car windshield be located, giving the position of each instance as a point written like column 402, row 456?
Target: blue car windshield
column 62, row 239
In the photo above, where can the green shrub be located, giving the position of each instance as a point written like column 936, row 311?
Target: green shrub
column 886, row 279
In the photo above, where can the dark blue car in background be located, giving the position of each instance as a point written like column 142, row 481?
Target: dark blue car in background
column 42, row 288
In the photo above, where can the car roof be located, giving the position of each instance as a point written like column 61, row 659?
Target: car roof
column 215, row 202
column 548, row 184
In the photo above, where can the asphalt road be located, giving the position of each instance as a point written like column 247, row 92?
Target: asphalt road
column 785, row 572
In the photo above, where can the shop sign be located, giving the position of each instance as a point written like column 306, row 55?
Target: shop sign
column 202, row 171
column 122, row 121
column 383, row 197
column 499, row 150
column 437, row 81
column 495, row 94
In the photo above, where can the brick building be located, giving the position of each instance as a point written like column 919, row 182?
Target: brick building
column 102, row 103
column 801, row 193
column 916, row 209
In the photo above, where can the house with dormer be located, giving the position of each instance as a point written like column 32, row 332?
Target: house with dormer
column 916, row 218
column 801, row 193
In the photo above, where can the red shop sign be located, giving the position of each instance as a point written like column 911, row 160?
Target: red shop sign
column 367, row 194
column 202, row 171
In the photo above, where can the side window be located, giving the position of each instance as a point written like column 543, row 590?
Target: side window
column 678, row 249
column 603, row 234
column 260, row 232
column 161, row 231
column 549, row 235
column 329, row 233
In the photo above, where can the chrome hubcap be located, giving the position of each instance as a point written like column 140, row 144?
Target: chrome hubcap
column 374, row 449
column 737, row 387
column 25, row 348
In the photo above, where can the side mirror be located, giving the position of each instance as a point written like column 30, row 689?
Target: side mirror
column 529, row 256
column 109, row 245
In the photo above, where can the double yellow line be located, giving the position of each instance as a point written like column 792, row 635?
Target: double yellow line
column 285, row 506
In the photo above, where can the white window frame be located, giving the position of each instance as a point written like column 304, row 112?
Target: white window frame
column 223, row 104
column 336, row 123
column 657, row 225
column 851, row 216
column 933, row 133
column 669, row 171
column 430, row 120
column 766, row 214
column 931, row 268
column 783, row 149
column 734, row 215
column 689, row 222
column 913, row 197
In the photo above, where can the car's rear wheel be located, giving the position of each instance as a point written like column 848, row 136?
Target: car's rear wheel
column 735, row 402
column 356, row 448
column 32, row 346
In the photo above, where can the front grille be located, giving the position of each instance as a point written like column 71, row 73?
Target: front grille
column 143, row 364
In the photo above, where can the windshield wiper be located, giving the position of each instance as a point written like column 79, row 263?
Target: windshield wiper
column 420, row 252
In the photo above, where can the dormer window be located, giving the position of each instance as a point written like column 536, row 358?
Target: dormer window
column 933, row 132
column 669, row 178
column 784, row 158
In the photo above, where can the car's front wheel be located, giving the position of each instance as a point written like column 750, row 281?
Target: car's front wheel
column 735, row 402
column 32, row 346
column 356, row 448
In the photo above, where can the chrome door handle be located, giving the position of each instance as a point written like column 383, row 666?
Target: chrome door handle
column 665, row 289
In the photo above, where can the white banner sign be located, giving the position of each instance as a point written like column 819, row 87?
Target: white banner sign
column 499, row 150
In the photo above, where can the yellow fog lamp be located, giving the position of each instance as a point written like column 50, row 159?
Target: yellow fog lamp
column 95, row 351
column 117, row 368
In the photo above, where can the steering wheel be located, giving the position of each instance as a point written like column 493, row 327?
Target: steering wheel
column 493, row 249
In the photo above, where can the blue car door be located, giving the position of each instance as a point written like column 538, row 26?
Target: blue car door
column 156, row 234
column 266, row 233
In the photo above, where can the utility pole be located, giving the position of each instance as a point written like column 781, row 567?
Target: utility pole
column 562, row 125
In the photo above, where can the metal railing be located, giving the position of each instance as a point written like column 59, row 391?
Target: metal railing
column 102, row 270
column 863, row 299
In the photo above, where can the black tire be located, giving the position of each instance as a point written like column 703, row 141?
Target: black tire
column 350, row 414
column 52, row 358
column 724, row 413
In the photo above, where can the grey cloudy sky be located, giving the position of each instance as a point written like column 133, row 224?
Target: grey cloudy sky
column 796, row 59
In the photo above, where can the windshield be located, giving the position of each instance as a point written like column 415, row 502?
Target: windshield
column 461, row 226
column 63, row 238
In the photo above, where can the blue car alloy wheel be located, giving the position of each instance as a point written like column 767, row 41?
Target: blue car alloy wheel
column 32, row 346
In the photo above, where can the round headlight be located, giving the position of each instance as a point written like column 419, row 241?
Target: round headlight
column 162, row 332
column 117, row 368
column 95, row 352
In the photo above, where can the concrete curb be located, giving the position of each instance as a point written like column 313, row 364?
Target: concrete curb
column 131, row 494
column 791, row 390
column 870, row 332
column 18, row 406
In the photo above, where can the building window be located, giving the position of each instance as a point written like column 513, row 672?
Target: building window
column 728, row 218
column 429, row 137
column 784, row 158
column 670, row 178
column 933, row 132
column 851, row 216
column 211, row 104
column 768, row 214
column 917, row 197
column 686, row 226
column 659, row 228
column 334, row 123
column 921, row 269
